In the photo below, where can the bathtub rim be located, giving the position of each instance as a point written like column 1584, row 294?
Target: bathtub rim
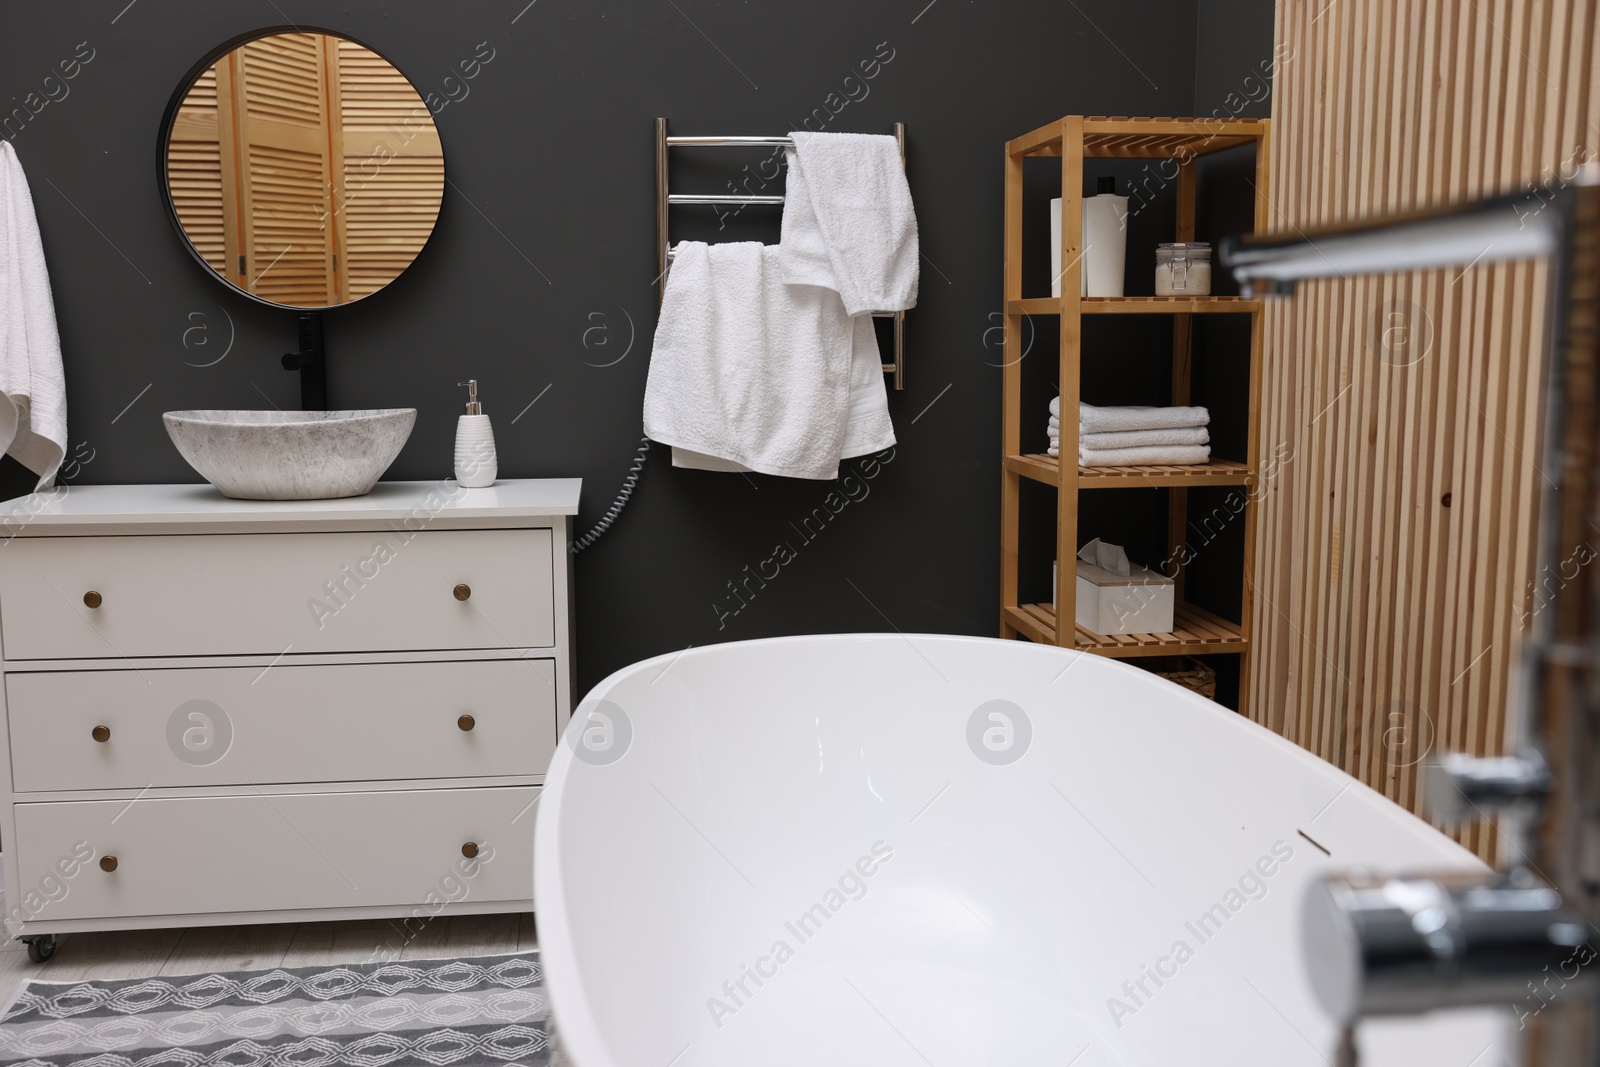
column 556, row 950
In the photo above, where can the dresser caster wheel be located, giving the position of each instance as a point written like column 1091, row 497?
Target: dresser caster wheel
column 40, row 946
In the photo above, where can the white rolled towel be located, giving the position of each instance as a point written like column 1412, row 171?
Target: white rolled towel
column 1177, row 435
column 1173, row 455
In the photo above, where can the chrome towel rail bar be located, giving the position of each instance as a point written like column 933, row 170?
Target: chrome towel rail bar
column 666, row 199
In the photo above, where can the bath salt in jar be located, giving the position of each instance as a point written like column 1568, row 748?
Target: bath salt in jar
column 1183, row 269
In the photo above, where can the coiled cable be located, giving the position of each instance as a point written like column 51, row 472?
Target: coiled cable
column 618, row 504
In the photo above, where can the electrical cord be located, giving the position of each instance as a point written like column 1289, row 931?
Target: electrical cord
column 618, row 504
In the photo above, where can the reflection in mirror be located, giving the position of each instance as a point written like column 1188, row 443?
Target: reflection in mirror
column 304, row 169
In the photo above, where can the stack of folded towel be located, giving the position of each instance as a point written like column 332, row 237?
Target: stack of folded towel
column 1125, row 436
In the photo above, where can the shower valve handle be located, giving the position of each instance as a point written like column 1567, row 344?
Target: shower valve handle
column 1459, row 787
column 1379, row 945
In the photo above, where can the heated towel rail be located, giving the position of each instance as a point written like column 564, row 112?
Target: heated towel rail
column 665, row 200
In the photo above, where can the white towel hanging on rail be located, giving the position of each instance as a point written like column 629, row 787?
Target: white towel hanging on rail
column 748, row 369
column 848, row 220
column 868, row 428
column 33, row 388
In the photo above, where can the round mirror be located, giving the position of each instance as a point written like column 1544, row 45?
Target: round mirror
column 302, row 168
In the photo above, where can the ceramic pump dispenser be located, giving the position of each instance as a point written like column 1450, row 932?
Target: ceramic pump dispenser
column 476, row 464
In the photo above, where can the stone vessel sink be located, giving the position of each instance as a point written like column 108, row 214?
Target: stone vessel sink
column 291, row 455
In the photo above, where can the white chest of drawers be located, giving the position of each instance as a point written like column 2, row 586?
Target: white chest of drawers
column 221, row 711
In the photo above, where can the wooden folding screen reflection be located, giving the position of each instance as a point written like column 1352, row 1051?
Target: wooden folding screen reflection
column 306, row 169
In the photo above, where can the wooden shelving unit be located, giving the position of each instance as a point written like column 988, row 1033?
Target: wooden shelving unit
column 1074, row 139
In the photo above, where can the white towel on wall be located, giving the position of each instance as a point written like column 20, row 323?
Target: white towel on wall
column 1176, row 455
column 33, row 388
column 848, row 221
column 748, row 369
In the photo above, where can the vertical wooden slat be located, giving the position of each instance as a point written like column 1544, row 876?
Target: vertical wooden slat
column 333, row 105
column 235, row 187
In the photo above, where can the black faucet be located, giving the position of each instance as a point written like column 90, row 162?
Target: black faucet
column 311, row 362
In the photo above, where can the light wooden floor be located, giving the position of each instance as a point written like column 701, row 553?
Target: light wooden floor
column 199, row 950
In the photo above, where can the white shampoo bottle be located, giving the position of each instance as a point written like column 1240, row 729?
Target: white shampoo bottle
column 476, row 463
column 1105, row 240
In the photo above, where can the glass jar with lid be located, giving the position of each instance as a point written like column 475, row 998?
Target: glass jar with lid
column 1183, row 268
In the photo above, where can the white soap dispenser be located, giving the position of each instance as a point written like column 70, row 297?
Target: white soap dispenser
column 476, row 464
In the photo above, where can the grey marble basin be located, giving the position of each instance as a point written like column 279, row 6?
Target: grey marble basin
column 291, row 455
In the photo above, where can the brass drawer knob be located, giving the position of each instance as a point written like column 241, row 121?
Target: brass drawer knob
column 108, row 863
column 470, row 850
column 463, row 591
column 101, row 734
column 92, row 599
column 466, row 722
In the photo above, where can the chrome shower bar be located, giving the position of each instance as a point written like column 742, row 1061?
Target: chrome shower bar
column 666, row 199
column 1493, row 230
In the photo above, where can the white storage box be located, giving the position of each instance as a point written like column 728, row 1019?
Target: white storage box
column 1139, row 602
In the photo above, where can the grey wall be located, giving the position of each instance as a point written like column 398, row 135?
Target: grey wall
column 544, row 255
column 1233, row 60
column 1232, row 39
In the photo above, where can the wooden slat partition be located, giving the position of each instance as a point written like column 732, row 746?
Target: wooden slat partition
column 1394, row 576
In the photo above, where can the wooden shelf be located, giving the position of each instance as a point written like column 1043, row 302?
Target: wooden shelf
column 1042, row 467
column 1073, row 139
column 1195, row 632
column 1036, row 467
column 1117, row 137
column 1138, row 305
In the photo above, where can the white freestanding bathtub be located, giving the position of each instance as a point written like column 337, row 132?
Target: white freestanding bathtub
column 931, row 851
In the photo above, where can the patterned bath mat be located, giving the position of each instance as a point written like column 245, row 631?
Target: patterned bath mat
column 439, row 1013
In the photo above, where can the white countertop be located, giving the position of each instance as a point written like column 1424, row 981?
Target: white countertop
column 190, row 504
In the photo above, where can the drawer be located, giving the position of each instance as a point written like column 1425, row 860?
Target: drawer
column 223, row 594
column 272, row 853
column 248, row 726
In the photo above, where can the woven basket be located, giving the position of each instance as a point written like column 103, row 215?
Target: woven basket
column 1187, row 671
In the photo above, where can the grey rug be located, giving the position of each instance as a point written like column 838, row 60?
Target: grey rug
column 461, row 1013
